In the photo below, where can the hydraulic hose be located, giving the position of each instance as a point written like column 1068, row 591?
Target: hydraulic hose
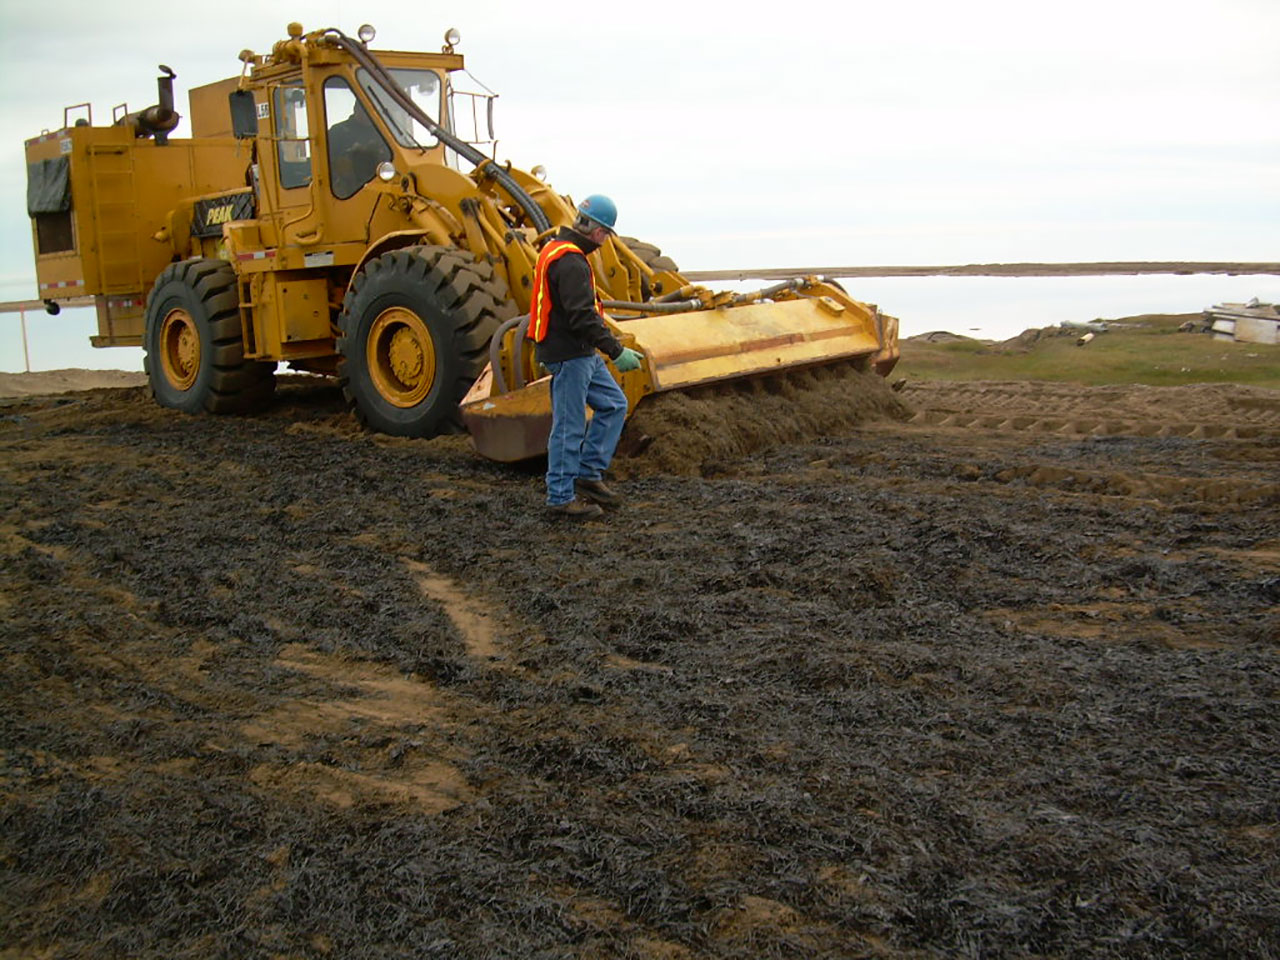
column 517, row 352
column 490, row 168
column 794, row 284
column 495, row 351
column 651, row 306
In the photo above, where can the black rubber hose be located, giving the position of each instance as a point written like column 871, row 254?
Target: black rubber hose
column 495, row 352
column 652, row 306
column 367, row 60
column 517, row 352
column 767, row 292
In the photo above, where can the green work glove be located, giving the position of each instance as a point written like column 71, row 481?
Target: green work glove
column 627, row 360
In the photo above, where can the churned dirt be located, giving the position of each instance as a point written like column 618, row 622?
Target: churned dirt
column 983, row 670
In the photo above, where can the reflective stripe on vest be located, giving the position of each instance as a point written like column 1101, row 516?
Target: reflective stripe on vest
column 540, row 305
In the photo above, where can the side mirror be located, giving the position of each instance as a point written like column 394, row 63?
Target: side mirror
column 244, row 114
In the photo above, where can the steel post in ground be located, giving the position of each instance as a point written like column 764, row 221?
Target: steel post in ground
column 26, row 357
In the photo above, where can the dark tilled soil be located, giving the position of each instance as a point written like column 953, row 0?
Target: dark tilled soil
column 999, row 681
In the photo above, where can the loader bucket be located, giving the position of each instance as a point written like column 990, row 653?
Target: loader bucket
column 687, row 349
column 508, row 426
column 684, row 350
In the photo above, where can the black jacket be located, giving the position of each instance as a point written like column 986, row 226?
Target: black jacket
column 574, row 329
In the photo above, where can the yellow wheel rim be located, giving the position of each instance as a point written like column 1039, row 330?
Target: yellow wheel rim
column 179, row 349
column 401, row 357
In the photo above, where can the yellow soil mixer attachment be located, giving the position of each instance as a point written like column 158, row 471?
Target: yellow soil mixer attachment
column 699, row 339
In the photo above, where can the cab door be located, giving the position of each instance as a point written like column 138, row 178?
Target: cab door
column 288, row 167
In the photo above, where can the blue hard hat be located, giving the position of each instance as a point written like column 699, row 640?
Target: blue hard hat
column 599, row 209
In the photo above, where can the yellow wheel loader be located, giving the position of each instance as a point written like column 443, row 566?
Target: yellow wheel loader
column 326, row 214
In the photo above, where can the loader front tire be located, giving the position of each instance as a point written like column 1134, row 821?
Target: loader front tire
column 415, row 330
column 194, row 344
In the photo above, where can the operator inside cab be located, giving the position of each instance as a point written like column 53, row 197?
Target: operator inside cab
column 355, row 150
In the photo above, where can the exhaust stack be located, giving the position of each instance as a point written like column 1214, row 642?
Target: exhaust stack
column 158, row 119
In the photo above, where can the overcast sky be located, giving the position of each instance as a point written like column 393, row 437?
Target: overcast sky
column 735, row 134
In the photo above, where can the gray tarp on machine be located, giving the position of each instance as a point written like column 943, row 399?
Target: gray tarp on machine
column 49, row 186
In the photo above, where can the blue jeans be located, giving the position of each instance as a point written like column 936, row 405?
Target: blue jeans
column 576, row 449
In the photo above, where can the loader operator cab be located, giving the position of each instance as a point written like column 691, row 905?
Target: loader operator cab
column 356, row 146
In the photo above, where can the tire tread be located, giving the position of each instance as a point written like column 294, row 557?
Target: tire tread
column 233, row 383
column 468, row 294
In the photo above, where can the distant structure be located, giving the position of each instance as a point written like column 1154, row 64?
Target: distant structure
column 1251, row 322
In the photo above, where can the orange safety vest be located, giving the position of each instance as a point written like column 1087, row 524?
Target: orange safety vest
column 540, row 305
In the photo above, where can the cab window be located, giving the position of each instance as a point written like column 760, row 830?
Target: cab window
column 355, row 145
column 423, row 87
column 291, row 133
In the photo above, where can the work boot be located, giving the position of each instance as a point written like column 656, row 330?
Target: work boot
column 597, row 492
column 575, row 510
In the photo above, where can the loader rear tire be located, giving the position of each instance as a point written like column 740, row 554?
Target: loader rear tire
column 415, row 330
column 652, row 258
column 194, row 344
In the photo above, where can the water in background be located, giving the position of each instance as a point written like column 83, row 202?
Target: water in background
column 997, row 308
column 988, row 308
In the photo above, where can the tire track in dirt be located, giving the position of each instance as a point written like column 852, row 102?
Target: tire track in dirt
column 383, row 713
column 475, row 622
column 1155, row 487
column 383, row 709
column 1244, row 422
column 1210, row 411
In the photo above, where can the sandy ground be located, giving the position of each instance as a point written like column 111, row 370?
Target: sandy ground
column 984, row 670
column 43, row 382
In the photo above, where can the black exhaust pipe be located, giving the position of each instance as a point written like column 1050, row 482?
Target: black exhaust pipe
column 159, row 119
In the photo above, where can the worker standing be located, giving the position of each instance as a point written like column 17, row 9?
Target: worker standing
column 566, row 322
